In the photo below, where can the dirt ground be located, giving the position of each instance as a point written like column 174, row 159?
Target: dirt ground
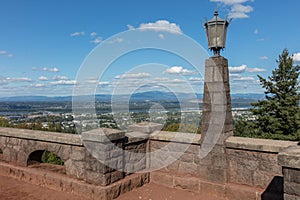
column 13, row 189
column 152, row 191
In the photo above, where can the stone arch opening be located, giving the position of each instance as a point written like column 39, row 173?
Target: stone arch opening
column 43, row 159
column 1, row 154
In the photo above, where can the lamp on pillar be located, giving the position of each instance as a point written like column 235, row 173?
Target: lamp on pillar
column 216, row 30
column 216, row 119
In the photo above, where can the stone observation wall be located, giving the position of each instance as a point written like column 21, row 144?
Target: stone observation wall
column 253, row 171
column 252, row 168
column 81, row 154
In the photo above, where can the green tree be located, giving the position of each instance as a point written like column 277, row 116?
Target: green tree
column 276, row 116
column 51, row 158
column 4, row 122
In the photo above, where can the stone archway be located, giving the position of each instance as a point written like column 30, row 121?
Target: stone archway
column 46, row 160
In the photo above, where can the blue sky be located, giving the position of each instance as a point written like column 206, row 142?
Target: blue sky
column 44, row 43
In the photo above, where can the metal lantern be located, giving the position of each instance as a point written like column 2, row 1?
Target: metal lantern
column 216, row 30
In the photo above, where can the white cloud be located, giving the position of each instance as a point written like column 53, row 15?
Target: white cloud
column 63, row 82
column 263, row 58
column 77, row 34
column 196, row 79
column 176, row 81
column 97, row 40
column 179, row 70
column 93, row 34
column 133, row 75
column 130, row 27
column 244, row 78
column 239, row 69
column 161, row 25
column 240, row 11
column 256, row 31
column 161, row 36
column 256, row 70
column 103, row 83
column 43, row 78
column 115, row 40
column 38, row 85
column 54, row 69
column 296, row 57
column 237, row 9
column 5, row 53
column 234, row 75
column 60, row 78
column 229, row 2
column 6, row 80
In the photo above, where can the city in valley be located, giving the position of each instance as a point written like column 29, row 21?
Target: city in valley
column 56, row 114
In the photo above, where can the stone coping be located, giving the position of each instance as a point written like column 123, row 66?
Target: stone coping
column 255, row 144
column 136, row 137
column 191, row 138
column 62, row 138
column 290, row 157
column 102, row 135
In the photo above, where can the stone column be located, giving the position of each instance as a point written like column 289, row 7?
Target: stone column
column 216, row 120
column 104, row 156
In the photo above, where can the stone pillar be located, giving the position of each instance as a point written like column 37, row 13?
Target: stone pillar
column 137, row 146
column 105, row 156
column 216, row 120
column 289, row 159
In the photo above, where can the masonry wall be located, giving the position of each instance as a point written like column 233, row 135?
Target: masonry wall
column 81, row 157
column 253, row 171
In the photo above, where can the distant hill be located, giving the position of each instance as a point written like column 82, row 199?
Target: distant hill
column 143, row 96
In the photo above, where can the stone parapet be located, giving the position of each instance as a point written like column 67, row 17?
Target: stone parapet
column 289, row 159
column 71, row 139
column 190, row 138
column 254, row 144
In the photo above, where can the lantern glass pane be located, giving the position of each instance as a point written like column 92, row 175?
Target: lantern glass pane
column 219, row 35
column 211, row 36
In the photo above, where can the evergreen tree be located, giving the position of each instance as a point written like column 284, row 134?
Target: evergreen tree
column 277, row 115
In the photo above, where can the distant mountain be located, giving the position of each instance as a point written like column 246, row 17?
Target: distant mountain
column 143, row 96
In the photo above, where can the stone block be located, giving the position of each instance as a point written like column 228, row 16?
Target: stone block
column 116, row 175
column 77, row 153
column 113, row 192
column 188, row 168
column 291, row 197
column 99, row 194
column 188, row 183
column 82, row 188
column 211, row 174
column 262, row 179
column 97, row 178
column 292, row 188
column 75, row 169
column 238, row 174
column 162, row 178
column 291, row 175
column 212, row 189
column 234, row 192
column 187, row 157
column 269, row 167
